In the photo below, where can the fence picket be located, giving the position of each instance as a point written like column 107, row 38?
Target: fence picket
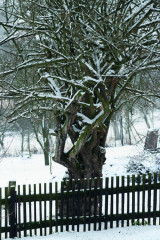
column 78, row 204
column 100, row 204
column 67, row 206
column 95, row 204
column 35, row 210
column 45, row 209
column 30, row 210
column 111, row 204
column 50, row 208
column 117, row 201
column 61, row 212
column 40, row 209
column 123, row 201
column 106, row 202
column 6, row 211
column 73, row 204
column 89, row 207
column 149, row 199
column 19, row 211
column 138, row 196
column 128, row 199
column 155, row 199
column 133, row 199
column 85, row 203
column 24, row 210
column 143, row 198
column 56, row 206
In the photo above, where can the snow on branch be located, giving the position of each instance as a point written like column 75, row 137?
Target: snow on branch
column 155, row 9
column 32, row 63
column 137, row 10
column 90, row 79
column 149, row 67
column 87, row 120
column 52, row 84
column 75, row 99
column 150, row 23
column 45, row 95
column 90, row 67
column 138, row 23
column 73, row 82
column 53, row 50
column 86, row 130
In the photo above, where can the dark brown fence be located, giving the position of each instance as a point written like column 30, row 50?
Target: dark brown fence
column 91, row 205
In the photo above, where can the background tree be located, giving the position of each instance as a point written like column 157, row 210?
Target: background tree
column 42, row 127
column 4, row 126
column 86, row 56
column 23, row 126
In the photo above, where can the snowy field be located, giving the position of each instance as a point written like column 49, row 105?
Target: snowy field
column 127, row 233
column 121, row 161
column 32, row 170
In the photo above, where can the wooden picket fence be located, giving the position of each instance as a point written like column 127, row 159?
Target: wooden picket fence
column 112, row 202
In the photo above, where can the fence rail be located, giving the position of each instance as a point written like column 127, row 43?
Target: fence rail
column 80, row 206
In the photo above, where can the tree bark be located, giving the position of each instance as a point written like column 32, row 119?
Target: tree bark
column 90, row 161
column 46, row 156
column 91, row 157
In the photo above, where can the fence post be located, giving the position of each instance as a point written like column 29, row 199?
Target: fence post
column 12, row 213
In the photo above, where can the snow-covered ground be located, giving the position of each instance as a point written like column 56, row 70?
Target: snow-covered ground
column 127, row 233
column 120, row 161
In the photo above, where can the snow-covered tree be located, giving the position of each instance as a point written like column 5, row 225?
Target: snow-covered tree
column 80, row 59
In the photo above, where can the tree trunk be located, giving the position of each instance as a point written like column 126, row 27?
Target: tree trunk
column 146, row 120
column 115, row 129
column 46, row 157
column 28, row 143
column 90, row 161
column 46, row 149
column 1, row 143
column 91, row 157
column 22, row 141
column 128, row 128
column 121, row 129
